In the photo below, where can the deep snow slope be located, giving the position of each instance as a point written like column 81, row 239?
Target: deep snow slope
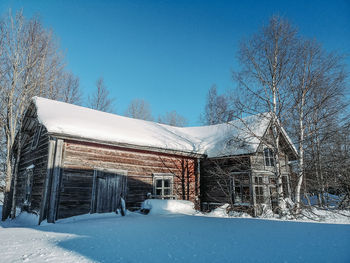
column 174, row 238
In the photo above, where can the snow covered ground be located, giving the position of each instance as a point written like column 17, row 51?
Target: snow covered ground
column 172, row 233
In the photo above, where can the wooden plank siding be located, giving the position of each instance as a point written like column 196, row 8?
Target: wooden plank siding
column 37, row 157
column 80, row 159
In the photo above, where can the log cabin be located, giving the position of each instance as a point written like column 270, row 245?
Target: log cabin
column 75, row 160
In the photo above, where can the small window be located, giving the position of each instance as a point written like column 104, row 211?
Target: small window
column 259, row 189
column 258, row 180
column 36, row 137
column 163, row 186
column 269, row 158
column 259, row 194
column 28, row 185
column 241, row 189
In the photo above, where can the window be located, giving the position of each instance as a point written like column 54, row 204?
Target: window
column 259, row 190
column 163, row 186
column 28, row 184
column 269, row 158
column 241, row 189
column 36, row 137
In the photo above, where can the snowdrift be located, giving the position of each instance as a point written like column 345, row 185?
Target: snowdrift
column 164, row 207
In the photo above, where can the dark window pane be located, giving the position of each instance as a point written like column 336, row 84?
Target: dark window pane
column 246, row 194
column 237, row 190
column 166, row 183
column 159, row 183
column 245, row 190
column 167, row 191
column 159, row 192
column 258, row 180
column 259, row 190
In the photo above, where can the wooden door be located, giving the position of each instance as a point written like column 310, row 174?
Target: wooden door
column 108, row 189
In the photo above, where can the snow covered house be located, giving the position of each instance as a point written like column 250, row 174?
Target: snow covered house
column 76, row 160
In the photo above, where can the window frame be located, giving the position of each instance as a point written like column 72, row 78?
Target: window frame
column 259, row 185
column 162, row 177
column 241, row 197
column 269, row 158
column 29, row 180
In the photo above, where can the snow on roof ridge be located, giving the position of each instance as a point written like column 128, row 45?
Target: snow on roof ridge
column 68, row 119
column 35, row 98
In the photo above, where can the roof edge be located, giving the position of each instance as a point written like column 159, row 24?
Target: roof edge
column 127, row 145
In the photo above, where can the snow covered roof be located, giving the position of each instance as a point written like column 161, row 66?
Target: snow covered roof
column 215, row 141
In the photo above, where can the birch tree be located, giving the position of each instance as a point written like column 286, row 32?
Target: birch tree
column 268, row 62
column 317, row 90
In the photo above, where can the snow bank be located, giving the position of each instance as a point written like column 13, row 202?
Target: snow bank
column 163, row 207
column 332, row 216
column 22, row 219
column 222, row 212
column 84, row 217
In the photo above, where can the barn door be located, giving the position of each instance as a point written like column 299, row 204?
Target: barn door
column 108, row 188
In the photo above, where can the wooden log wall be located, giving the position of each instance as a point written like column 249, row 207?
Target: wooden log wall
column 38, row 158
column 81, row 158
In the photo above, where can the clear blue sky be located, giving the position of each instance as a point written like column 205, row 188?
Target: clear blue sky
column 171, row 52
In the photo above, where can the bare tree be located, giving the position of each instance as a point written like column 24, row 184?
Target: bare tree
column 30, row 65
column 70, row 90
column 217, row 108
column 316, row 89
column 139, row 109
column 100, row 99
column 268, row 61
column 173, row 118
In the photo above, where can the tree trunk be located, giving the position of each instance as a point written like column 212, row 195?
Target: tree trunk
column 301, row 154
column 15, row 173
